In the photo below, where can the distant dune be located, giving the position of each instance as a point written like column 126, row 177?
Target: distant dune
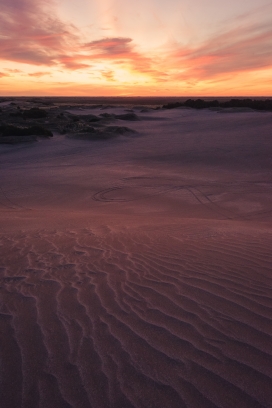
column 135, row 270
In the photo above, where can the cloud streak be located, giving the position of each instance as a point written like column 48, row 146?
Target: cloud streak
column 31, row 33
column 240, row 49
column 34, row 33
column 111, row 47
column 38, row 74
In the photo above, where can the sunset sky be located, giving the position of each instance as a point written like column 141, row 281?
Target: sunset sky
column 136, row 47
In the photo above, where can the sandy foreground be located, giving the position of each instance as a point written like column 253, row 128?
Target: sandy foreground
column 137, row 271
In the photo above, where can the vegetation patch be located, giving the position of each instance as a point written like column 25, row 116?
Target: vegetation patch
column 34, row 113
column 119, row 130
column 128, row 116
column 36, row 130
column 264, row 105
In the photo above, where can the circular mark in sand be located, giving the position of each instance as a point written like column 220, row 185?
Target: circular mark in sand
column 103, row 195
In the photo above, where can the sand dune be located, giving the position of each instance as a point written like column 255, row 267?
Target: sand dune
column 136, row 272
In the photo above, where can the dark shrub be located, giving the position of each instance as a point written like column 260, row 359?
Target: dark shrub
column 107, row 115
column 35, row 113
column 94, row 120
column 118, row 130
column 127, row 116
column 213, row 104
column 232, row 103
column 16, row 114
column 36, row 130
column 39, row 131
column 173, row 105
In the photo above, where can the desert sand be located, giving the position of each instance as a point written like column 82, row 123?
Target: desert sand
column 136, row 270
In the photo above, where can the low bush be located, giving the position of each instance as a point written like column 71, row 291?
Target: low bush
column 35, row 113
column 256, row 104
column 35, row 130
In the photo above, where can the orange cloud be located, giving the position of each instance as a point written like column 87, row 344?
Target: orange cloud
column 73, row 62
column 108, row 75
column 39, row 74
column 122, row 52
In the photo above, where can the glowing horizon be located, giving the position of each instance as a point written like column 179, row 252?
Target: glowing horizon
column 143, row 48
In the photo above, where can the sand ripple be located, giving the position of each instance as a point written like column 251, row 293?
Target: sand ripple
column 136, row 319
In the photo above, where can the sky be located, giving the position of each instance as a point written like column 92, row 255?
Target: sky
column 136, row 47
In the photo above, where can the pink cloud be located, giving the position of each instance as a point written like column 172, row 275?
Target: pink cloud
column 31, row 33
column 111, row 46
column 240, row 49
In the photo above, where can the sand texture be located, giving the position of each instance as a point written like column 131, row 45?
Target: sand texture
column 136, row 270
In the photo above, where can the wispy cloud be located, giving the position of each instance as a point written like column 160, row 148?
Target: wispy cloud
column 247, row 47
column 14, row 71
column 39, row 74
column 123, row 52
column 32, row 33
column 108, row 75
column 111, row 46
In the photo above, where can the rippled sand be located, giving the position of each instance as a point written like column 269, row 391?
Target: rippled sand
column 137, row 272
